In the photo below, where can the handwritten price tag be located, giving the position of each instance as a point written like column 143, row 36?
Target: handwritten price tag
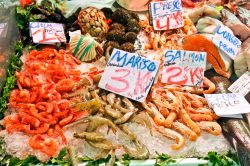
column 166, row 14
column 47, row 33
column 3, row 30
column 227, row 103
column 184, row 67
column 129, row 75
column 226, row 41
column 242, row 85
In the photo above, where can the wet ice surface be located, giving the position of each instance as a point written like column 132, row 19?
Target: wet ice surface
column 155, row 143
column 17, row 143
column 158, row 143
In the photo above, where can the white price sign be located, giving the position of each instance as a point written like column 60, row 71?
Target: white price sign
column 47, row 33
column 226, row 41
column 184, row 67
column 167, row 14
column 129, row 75
column 242, row 85
column 228, row 103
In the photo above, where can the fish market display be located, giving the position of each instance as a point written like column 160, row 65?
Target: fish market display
column 52, row 104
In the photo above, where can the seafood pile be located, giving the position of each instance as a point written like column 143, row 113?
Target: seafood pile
column 182, row 112
column 56, row 102
column 38, row 106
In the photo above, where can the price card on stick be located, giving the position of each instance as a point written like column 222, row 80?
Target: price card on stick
column 225, row 40
column 166, row 14
column 228, row 103
column 129, row 75
column 47, row 33
column 184, row 67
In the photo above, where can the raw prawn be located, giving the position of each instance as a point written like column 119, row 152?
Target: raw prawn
column 43, row 128
column 91, row 136
column 185, row 130
column 211, row 86
column 65, row 85
column 153, row 111
column 189, row 122
column 211, row 127
column 124, row 118
column 46, row 145
column 96, row 122
column 112, row 112
column 170, row 119
column 180, row 141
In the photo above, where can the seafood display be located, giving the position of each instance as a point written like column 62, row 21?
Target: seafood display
column 53, row 109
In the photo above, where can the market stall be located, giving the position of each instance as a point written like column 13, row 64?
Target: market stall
column 126, row 82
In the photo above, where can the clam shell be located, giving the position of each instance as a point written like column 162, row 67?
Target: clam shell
column 85, row 48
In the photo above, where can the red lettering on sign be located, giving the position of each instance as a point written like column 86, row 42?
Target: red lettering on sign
column 120, row 79
column 158, row 24
column 178, row 71
column 195, row 73
column 139, row 87
column 44, row 35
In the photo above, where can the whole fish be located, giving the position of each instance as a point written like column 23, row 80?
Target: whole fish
column 239, row 29
column 237, row 133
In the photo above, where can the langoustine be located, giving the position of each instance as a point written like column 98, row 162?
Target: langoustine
column 185, row 115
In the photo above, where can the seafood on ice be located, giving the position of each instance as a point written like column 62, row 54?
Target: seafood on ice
column 39, row 108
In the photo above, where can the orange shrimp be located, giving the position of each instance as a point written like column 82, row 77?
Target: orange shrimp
column 50, row 147
column 40, row 130
column 185, row 130
column 66, row 120
column 189, row 122
column 36, row 141
column 46, row 145
column 200, row 117
column 211, row 86
column 65, row 85
column 27, row 119
column 170, row 119
column 211, row 127
column 45, row 106
column 61, row 114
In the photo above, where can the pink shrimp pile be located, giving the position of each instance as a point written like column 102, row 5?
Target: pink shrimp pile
column 39, row 108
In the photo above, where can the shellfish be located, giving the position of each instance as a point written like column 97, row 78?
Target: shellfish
column 85, row 48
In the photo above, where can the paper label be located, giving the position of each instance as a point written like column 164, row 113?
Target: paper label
column 228, row 103
column 3, row 30
column 47, row 33
column 184, row 67
column 242, row 85
column 167, row 14
column 129, row 75
column 226, row 41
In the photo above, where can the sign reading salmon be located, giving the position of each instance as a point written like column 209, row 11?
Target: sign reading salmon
column 47, row 33
column 166, row 14
column 184, row 67
column 226, row 41
column 129, row 75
